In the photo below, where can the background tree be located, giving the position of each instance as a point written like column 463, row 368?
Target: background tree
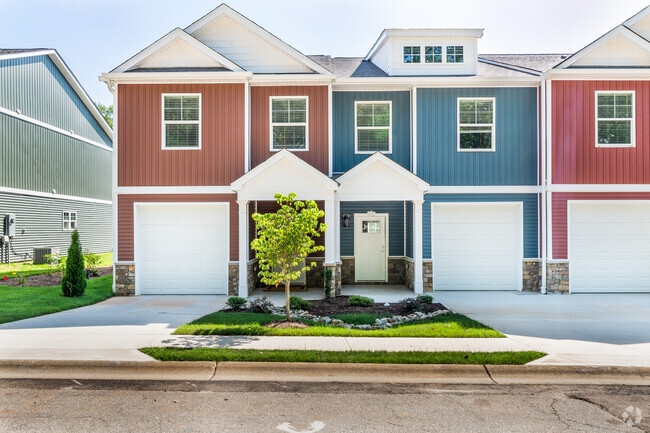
column 107, row 112
column 284, row 239
column 73, row 283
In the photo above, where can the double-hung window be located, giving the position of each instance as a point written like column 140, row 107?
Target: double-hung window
column 289, row 125
column 475, row 124
column 181, row 121
column 615, row 119
column 372, row 126
column 69, row 220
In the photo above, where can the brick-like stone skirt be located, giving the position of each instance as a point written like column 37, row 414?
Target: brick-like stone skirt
column 125, row 279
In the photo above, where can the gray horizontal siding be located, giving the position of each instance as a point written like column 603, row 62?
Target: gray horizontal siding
column 395, row 211
column 38, row 159
column 531, row 216
column 41, row 219
column 36, row 87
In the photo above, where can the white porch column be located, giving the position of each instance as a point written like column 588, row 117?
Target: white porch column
column 337, row 232
column 243, row 248
column 417, row 246
column 330, row 233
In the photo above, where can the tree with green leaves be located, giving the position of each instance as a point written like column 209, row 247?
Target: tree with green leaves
column 73, row 283
column 284, row 239
column 107, row 112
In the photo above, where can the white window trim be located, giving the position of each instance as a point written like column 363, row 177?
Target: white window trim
column 390, row 128
column 632, row 119
column 63, row 220
column 444, row 54
column 493, row 124
column 165, row 122
column 305, row 124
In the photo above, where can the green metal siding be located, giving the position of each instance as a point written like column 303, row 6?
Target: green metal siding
column 38, row 159
column 36, row 87
column 395, row 211
column 41, row 219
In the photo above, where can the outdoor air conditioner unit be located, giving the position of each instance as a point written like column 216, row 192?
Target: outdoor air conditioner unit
column 41, row 252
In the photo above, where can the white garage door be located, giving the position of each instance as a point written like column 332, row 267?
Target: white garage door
column 181, row 248
column 477, row 246
column 609, row 246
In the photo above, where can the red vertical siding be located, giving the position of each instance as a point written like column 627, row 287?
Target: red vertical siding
column 559, row 213
column 317, row 155
column 125, row 217
column 576, row 159
column 143, row 162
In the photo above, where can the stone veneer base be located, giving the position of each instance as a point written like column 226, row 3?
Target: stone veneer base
column 125, row 279
column 233, row 279
column 400, row 271
column 557, row 277
column 532, row 275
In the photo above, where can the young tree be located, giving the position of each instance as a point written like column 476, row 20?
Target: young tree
column 284, row 239
column 73, row 283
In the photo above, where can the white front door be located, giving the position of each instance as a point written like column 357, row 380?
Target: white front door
column 181, row 248
column 371, row 247
column 609, row 246
column 477, row 246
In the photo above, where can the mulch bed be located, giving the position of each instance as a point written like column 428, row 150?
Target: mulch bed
column 45, row 280
column 339, row 305
column 284, row 324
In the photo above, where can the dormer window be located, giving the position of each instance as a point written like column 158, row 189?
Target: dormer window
column 454, row 54
column 412, row 54
column 433, row 54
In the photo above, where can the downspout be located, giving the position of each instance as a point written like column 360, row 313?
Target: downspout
column 542, row 154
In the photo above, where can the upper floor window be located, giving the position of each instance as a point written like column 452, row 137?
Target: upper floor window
column 433, row 54
column 454, row 54
column 615, row 119
column 181, row 121
column 372, row 125
column 69, row 220
column 412, row 54
column 475, row 124
column 289, row 125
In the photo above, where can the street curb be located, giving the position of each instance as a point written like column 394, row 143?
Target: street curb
column 325, row 372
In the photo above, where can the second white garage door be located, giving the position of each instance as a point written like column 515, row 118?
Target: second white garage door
column 609, row 246
column 477, row 246
column 181, row 248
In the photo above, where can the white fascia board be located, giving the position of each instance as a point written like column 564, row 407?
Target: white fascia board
column 381, row 40
column 389, row 163
column 255, row 28
column 469, row 81
column 495, row 189
column 636, row 17
column 613, row 73
column 620, row 30
column 52, row 196
column 177, row 33
column 387, row 33
column 176, row 77
column 599, row 188
column 292, row 79
column 226, row 189
column 44, row 52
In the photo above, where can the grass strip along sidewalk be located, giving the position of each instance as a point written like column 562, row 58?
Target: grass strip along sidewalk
column 18, row 303
column 378, row 357
column 448, row 325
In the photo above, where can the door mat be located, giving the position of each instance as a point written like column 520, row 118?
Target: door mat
column 280, row 288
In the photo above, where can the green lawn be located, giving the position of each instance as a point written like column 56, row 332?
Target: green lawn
column 379, row 357
column 18, row 303
column 12, row 270
column 446, row 325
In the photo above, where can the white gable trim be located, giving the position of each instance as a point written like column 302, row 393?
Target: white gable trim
column 177, row 33
column 620, row 30
column 636, row 17
column 389, row 163
column 224, row 9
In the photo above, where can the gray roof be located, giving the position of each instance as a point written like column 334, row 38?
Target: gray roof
column 535, row 62
column 179, row 70
column 20, row 50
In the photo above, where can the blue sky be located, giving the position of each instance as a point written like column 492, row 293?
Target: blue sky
column 95, row 36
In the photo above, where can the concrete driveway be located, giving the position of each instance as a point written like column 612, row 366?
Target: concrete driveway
column 110, row 330
column 601, row 329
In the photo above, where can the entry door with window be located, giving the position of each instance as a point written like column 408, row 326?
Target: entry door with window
column 370, row 247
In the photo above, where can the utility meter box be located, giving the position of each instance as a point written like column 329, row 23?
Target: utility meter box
column 10, row 225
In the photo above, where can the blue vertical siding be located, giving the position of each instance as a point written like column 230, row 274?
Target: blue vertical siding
column 395, row 211
column 531, row 234
column 513, row 163
column 343, row 127
column 409, row 229
column 36, row 87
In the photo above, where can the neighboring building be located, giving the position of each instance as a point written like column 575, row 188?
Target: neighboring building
column 55, row 157
column 427, row 158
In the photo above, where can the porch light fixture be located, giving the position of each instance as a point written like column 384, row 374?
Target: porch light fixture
column 346, row 220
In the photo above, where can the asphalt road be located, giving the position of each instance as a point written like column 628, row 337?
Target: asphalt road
column 114, row 406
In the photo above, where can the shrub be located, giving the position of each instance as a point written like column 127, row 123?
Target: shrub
column 236, row 303
column 73, row 283
column 425, row 299
column 92, row 260
column 327, row 276
column 412, row 304
column 21, row 280
column 360, row 301
column 55, row 260
column 297, row 303
column 260, row 305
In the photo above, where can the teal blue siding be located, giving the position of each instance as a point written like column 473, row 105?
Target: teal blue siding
column 531, row 219
column 409, row 229
column 343, row 127
column 513, row 163
column 395, row 211
column 36, row 87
